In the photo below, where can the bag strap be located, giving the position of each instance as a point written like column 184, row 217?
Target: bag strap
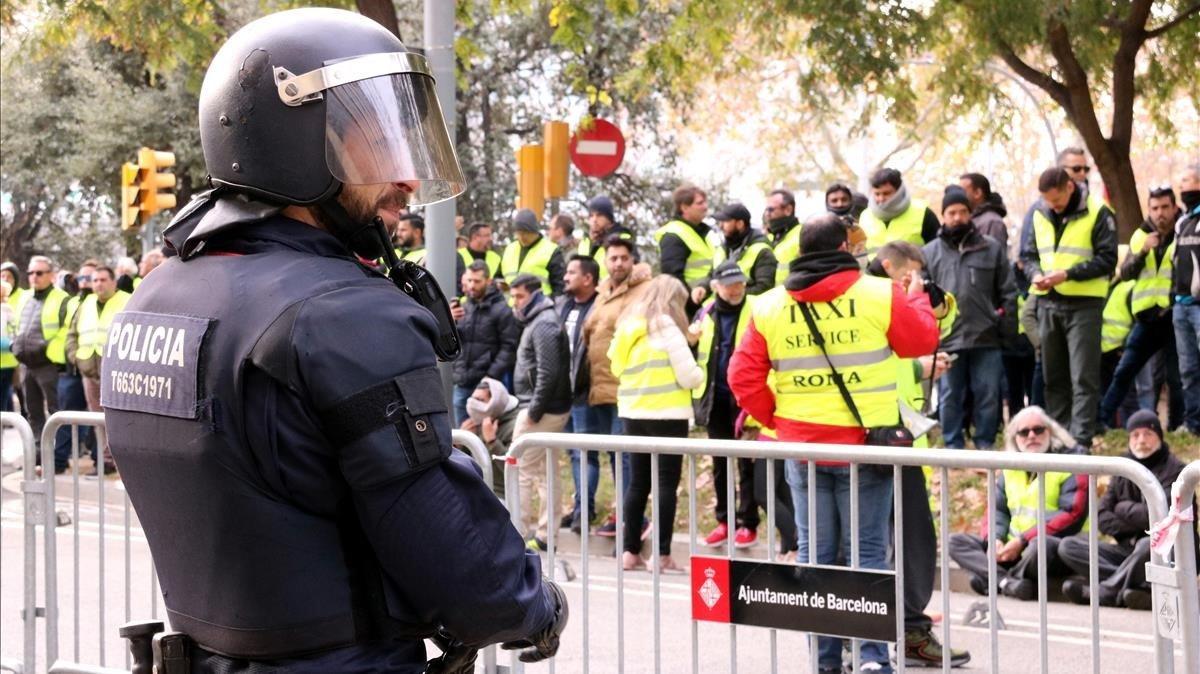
column 819, row 340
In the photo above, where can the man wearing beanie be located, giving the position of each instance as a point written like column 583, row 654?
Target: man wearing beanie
column 1185, row 290
column 601, row 225
column 1122, row 514
column 974, row 268
column 747, row 247
column 532, row 253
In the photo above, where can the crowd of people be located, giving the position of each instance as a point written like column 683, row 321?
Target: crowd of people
column 844, row 328
column 52, row 333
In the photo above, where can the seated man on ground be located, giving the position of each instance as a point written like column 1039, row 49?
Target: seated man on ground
column 1016, row 530
column 1122, row 514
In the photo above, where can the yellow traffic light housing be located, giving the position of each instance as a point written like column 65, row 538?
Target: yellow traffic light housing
column 529, row 179
column 153, row 179
column 130, row 196
column 556, row 138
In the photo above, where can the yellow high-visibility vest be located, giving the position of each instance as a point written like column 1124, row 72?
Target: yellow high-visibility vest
column 786, row 250
column 416, row 255
column 94, row 323
column 855, row 327
column 1020, row 492
column 491, row 258
column 700, row 252
column 1117, row 317
column 746, row 258
column 904, row 227
column 585, row 249
column 1153, row 286
column 53, row 332
column 1074, row 247
column 536, row 262
column 708, row 331
column 645, row 379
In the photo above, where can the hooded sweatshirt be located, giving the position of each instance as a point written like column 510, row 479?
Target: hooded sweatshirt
column 822, row 277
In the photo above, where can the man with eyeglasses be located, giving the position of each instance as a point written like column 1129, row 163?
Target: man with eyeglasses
column 1069, row 258
column 1149, row 265
column 40, row 347
column 1016, row 505
column 1185, row 291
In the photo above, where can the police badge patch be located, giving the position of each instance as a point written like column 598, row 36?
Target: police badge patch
column 151, row 364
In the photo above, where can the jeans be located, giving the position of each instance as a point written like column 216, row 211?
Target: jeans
column 981, row 371
column 832, row 500
column 461, row 393
column 1145, row 340
column 1187, row 344
column 71, row 398
column 670, row 467
column 599, row 420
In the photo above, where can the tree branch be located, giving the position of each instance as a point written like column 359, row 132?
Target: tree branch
column 1180, row 18
column 1053, row 88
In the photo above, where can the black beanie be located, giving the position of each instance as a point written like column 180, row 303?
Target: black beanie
column 955, row 195
column 1145, row 419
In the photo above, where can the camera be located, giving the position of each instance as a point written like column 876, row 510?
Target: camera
column 937, row 296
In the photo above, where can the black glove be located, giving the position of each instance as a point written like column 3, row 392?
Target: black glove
column 456, row 657
column 544, row 644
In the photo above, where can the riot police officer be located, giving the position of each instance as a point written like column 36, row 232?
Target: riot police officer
column 274, row 404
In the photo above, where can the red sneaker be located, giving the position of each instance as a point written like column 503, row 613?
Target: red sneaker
column 718, row 535
column 744, row 538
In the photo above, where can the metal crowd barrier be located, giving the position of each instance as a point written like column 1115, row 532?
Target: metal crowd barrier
column 1182, row 493
column 944, row 459
column 41, row 509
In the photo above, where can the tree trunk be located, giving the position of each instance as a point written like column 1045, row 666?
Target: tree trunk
column 1116, row 170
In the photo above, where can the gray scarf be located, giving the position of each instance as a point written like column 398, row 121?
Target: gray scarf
column 893, row 207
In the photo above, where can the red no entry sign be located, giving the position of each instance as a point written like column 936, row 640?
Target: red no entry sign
column 598, row 151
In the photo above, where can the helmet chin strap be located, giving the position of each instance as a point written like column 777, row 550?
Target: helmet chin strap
column 367, row 239
column 370, row 240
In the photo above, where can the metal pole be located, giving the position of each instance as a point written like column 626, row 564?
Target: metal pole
column 439, row 218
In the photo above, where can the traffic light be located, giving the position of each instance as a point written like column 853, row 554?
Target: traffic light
column 130, row 199
column 150, row 163
column 529, row 179
column 556, row 139
column 140, row 185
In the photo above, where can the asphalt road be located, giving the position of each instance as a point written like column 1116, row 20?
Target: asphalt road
column 1126, row 642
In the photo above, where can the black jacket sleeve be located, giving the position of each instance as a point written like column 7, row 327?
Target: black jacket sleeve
column 1104, row 250
column 762, row 274
column 672, row 256
column 1029, row 252
column 471, row 572
column 930, row 226
column 557, row 269
column 1005, row 292
column 508, row 333
column 1121, row 517
column 553, row 362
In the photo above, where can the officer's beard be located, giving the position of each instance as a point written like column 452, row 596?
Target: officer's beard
column 362, row 205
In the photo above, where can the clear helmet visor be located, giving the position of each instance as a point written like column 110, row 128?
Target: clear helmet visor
column 390, row 129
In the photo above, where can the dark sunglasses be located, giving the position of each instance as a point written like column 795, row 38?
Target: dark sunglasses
column 33, row 272
column 1032, row 430
column 1084, row 169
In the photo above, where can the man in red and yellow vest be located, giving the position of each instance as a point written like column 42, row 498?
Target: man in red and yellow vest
column 1069, row 260
column 866, row 324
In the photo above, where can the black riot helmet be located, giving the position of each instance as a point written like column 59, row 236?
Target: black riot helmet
column 300, row 102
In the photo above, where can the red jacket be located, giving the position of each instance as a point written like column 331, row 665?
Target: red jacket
column 913, row 332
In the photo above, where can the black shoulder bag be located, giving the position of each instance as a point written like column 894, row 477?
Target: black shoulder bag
column 882, row 436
